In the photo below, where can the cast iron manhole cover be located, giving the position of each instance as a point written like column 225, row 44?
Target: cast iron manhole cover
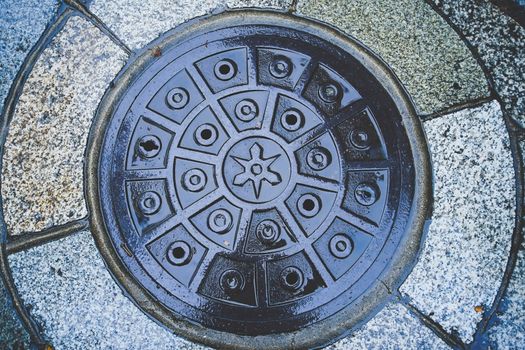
column 256, row 175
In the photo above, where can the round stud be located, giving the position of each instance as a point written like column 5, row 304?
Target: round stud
column 206, row 135
column 179, row 253
column 280, row 67
column 318, row 158
column 329, row 92
column 220, row 221
column 341, row 246
column 360, row 139
column 292, row 119
column 194, row 180
column 268, row 232
column 309, row 205
column 225, row 69
column 246, row 110
column 177, row 98
column 366, row 194
column 232, row 281
column 149, row 203
column 292, row 278
column 148, row 146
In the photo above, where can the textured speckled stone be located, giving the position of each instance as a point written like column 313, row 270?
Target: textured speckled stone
column 43, row 160
column 19, row 31
column 392, row 328
column 21, row 24
column 77, row 303
column 509, row 329
column 500, row 42
column 138, row 22
column 433, row 63
column 12, row 332
column 468, row 242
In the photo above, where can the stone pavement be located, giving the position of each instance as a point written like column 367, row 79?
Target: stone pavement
column 463, row 64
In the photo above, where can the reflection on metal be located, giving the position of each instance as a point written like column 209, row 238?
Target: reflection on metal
column 263, row 174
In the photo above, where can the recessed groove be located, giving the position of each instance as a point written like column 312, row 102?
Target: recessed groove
column 457, row 107
column 452, row 340
column 23, row 314
column 80, row 7
column 34, row 239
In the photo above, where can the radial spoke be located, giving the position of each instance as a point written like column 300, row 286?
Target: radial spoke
column 318, row 182
column 269, row 111
column 202, row 203
column 305, row 243
column 356, row 221
column 146, row 174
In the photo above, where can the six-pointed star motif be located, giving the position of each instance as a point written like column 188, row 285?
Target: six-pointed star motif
column 256, row 169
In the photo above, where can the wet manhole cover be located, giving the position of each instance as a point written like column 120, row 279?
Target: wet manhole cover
column 257, row 178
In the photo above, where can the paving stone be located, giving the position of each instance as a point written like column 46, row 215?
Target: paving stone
column 12, row 332
column 429, row 58
column 392, row 328
column 19, row 31
column 21, row 24
column 509, row 329
column 500, row 42
column 468, row 242
column 139, row 22
column 77, row 303
column 43, row 160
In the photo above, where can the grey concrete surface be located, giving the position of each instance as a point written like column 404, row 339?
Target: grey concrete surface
column 468, row 242
column 392, row 328
column 20, row 29
column 500, row 42
column 139, row 22
column 427, row 55
column 42, row 169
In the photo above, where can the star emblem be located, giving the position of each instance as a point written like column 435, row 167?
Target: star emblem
column 256, row 170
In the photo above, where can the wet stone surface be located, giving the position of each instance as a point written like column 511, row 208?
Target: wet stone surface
column 427, row 55
column 392, row 328
column 468, row 242
column 138, row 22
column 508, row 331
column 76, row 302
column 12, row 332
column 19, row 31
column 500, row 42
column 43, row 162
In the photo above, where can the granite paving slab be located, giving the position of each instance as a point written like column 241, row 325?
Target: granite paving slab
column 139, row 22
column 392, row 328
column 500, row 42
column 430, row 59
column 42, row 171
column 75, row 300
column 20, row 29
column 467, row 246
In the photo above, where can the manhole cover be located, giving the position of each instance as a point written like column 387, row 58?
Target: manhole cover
column 256, row 175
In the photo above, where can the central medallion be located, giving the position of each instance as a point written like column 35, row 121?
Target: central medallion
column 256, row 169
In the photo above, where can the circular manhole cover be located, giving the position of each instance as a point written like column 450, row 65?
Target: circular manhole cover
column 257, row 178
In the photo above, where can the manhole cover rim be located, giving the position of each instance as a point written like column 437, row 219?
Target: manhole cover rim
column 333, row 327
